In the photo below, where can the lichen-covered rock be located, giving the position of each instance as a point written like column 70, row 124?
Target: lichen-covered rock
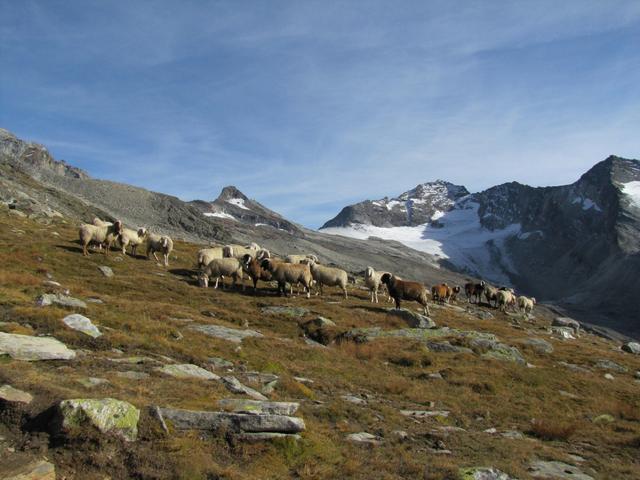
column 413, row 319
column 48, row 299
column 82, row 324
column 567, row 322
column 230, row 334
column 605, row 364
column 106, row 414
column 106, row 271
column 188, row 370
column 234, row 386
column 28, row 348
column 241, row 405
column 285, row 310
column 557, row 470
column 538, row 345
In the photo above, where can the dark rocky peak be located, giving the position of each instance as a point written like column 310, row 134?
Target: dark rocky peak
column 612, row 169
column 231, row 192
column 439, row 189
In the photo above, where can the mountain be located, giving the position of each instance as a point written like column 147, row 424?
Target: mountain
column 576, row 244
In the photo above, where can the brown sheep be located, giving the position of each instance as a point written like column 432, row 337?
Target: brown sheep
column 440, row 293
column 474, row 290
column 252, row 267
column 406, row 290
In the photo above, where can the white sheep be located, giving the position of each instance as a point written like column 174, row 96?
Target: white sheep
column 285, row 273
column 505, row 298
column 100, row 223
column 159, row 243
column 526, row 304
column 301, row 258
column 131, row 237
column 205, row 255
column 99, row 235
column 372, row 281
column 220, row 268
column 330, row 276
column 239, row 251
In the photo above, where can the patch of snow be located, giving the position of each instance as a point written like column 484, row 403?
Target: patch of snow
column 587, row 203
column 393, row 203
column 238, row 202
column 461, row 240
column 219, row 215
column 437, row 215
column 525, row 235
column 632, row 190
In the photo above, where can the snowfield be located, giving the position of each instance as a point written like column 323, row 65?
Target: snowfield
column 238, row 202
column 457, row 237
column 219, row 215
column 632, row 190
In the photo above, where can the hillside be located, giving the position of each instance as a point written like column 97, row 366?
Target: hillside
column 481, row 389
column 572, row 245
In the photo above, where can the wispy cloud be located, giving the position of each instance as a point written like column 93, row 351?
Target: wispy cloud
column 307, row 106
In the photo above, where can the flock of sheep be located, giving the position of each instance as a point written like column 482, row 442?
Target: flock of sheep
column 236, row 261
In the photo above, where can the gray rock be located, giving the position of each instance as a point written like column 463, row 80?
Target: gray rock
column 637, row 374
column 513, row 435
column 574, row 367
column 424, row 413
column 413, row 319
column 568, row 395
column 306, row 381
column 106, row 271
column 538, row 345
column 567, row 322
column 187, row 370
column 135, row 360
column 605, row 364
column 320, row 322
column 82, row 324
column 92, row 382
column 482, row 314
column 238, row 422
column 483, row 473
column 10, row 394
column 608, row 376
column 257, row 407
column 48, row 299
column 234, row 386
column 497, row 351
column 353, row 399
column 632, row 347
column 34, row 470
column 446, row 347
column 133, row 375
column 364, row 438
column 51, row 283
column 285, row 310
column 106, row 414
column 218, row 362
column 95, row 300
column 265, row 436
column 367, row 334
column 25, row 347
column 556, row 470
column 231, row 334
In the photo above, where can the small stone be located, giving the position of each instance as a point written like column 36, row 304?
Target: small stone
column 608, row 376
column 94, row 300
column 632, row 347
column 306, row 381
column 51, row 283
column 364, row 438
column 188, row 371
column 425, row 413
column 91, row 382
column 106, row 271
column 353, row 399
column 177, row 335
column 513, row 435
column 10, row 394
column 208, row 313
column 82, row 324
column 568, row 395
column 401, row 434
column 218, row 362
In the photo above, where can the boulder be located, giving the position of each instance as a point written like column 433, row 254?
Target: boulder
column 320, row 322
column 218, row 362
column 353, row 399
column 234, row 386
column 538, row 345
column 567, row 322
column 230, row 334
column 556, row 470
column 564, row 332
column 237, row 422
column 82, row 324
column 493, row 349
column 425, row 413
column 34, row 470
column 106, row 414
column 106, row 271
column 48, row 299
column 285, row 310
column 483, row 473
column 256, row 407
column 187, row 370
column 10, row 394
column 28, row 348
column 446, row 347
column 632, row 347
column 604, row 364
column 413, row 319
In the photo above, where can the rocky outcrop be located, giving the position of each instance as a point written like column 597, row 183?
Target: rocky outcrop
column 25, row 347
column 106, row 414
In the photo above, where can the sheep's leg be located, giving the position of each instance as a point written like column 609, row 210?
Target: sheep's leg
column 166, row 259
column 155, row 256
column 85, row 250
column 345, row 292
column 397, row 300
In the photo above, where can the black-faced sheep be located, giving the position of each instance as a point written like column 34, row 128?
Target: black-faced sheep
column 474, row 290
column 255, row 271
column 406, row 290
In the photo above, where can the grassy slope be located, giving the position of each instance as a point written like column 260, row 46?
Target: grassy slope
column 141, row 300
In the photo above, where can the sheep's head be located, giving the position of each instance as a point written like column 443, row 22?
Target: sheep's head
column 203, row 280
column 386, row 278
column 368, row 273
column 533, row 300
column 117, row 226
column 227, row 251
column 142, row 232
column 266, row 265
column 164, row 241
column 246, row 259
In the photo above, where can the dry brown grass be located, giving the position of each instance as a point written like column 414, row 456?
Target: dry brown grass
column 545, row 429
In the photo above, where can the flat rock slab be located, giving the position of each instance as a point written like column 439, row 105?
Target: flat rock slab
column 35, row 470
column 238, row 422
column 92, row 382
column 218, row 362
column 366, row 334
column 295, row 312
column 106, row 414
column 256, row 407
column 28, row 348
column 425, row 413
column 364, row 438
column 234, row 386
column 557, row 470
column 605, row 364
column 187, row 370
column 483, row 473
column 446, row 347
column 81, row 324
column 10, row 394
column 231, row 334
column 106, row 271
column 413, row 319
column 538, row 345
column 132, row 375
column 48, row 299
column 353, row 399
column 266, row 436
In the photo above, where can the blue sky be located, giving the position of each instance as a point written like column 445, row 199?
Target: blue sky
column 308, row 106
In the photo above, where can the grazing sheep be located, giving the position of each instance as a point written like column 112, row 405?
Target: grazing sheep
column 301, row 258
column 330, row 276
column 440, row 293
column 285, row 273
column 505, row 299
column 491, row 294
column 131, row 237
column 205, row 255
column 106, row 234
column 255, row 271
column 406, row 290
column 373, row 282
column 159, row 243
column 526, row 304
column 474, row 290
column 220, row 268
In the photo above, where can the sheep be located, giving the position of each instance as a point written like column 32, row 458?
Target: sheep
column 285, row 273
column 440, row 293
column 159, row 243
column 100, row 223
column 491, row 294
column 373, row 282
column 93, row 234
column 406, row 290
column 219, row 268
column 301, row 258
column 205, row 255
column 526, row 304
column 239, row 251
column 133, row 238
column 255, row 271
column 474, row 290
column 505, row 298
column 330, row 276
column 453, row 293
